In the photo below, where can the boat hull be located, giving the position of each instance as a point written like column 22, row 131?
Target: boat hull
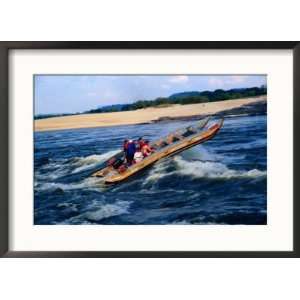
column 169, row 151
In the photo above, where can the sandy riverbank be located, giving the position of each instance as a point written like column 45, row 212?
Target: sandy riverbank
column 140, row 116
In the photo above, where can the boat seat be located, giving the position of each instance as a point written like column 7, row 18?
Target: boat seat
column 189, row 131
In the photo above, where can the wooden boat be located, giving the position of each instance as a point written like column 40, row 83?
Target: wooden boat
column 173, row 144
column 163, row 141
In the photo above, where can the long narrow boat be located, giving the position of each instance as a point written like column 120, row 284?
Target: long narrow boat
column 174, row 143
column 158, row 144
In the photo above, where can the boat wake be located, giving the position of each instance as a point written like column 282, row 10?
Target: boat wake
column 60, row 167
column 49, row 176
column 195, row 164
column 220, row 182
column 199, row 169
column 89, row 162
column 93, row 183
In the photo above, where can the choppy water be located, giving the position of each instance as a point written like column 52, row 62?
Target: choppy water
column 223, row 181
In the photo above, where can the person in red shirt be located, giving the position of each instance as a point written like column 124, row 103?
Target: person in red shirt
column 147, row 150
column 141, row 142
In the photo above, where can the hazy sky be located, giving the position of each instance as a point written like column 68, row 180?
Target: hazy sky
column 70, row 94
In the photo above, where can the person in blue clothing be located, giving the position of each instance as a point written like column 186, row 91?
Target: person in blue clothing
column 130, row 151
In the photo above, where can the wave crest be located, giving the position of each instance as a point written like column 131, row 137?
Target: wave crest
column 59, row 168
column 100, row 212
column 84, row 163
column 201, row 169
column 88, row 183
column 109, row 210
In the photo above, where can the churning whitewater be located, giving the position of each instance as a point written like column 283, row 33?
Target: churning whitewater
column 223, row 181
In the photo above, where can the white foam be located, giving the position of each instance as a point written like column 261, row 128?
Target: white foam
column 183, row 222
column 199, row 152
column 99, row 212
column 257, row 143
column 109, row 210
column 84, row 163
column 54, row 171
column 201, row 169
column 59, row 168
column 158, row 171
column 88, row 183
column 62, row 167
column 71, row 206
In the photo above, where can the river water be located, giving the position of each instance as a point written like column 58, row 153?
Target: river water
column 223, row 181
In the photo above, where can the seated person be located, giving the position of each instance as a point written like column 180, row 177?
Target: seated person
column 147, row 150
column 138, row 156
column 141, row 142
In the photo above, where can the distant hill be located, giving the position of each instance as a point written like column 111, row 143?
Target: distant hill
column 220, row 94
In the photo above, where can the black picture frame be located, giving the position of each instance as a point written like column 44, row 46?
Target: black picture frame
column 5, row 47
